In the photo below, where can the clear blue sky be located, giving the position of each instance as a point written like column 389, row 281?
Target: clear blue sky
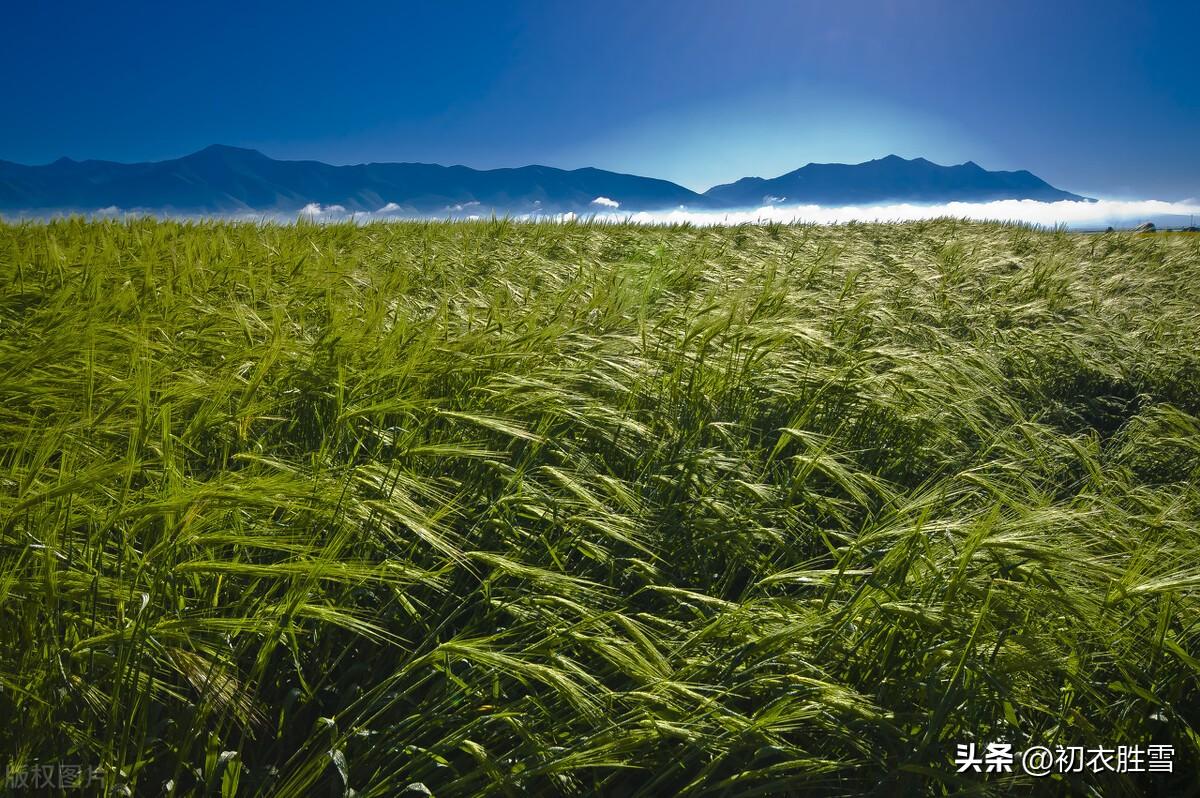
column 1101, row 98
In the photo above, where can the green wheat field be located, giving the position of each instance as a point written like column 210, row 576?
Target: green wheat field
column 501, row 508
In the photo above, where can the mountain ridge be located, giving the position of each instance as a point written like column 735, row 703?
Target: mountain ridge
column 888, row 179
column 223, row 179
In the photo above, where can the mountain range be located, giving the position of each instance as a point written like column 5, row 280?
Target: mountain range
column 231, row 180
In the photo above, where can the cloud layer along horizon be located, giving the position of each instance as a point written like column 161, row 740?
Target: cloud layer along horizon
column 1078, row 215
column 1082, row 215
column 1075, row 215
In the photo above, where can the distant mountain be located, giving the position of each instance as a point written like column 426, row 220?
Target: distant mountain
column 221, row 180
column 890, row 179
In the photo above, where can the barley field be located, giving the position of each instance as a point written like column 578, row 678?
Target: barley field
column 500, row 508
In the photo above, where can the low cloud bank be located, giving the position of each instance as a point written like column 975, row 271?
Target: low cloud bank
column 1094, row 215
column 1080, row 215
column 1076, row 215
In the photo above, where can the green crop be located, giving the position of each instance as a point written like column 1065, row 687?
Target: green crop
column 574, row 509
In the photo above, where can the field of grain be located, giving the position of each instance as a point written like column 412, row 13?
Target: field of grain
column 566, row 509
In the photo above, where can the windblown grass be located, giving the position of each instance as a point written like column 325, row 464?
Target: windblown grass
column 513, row 509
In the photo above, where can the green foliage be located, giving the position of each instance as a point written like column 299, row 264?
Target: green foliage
column 512, row 509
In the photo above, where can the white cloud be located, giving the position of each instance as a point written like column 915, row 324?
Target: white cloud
column 605, row 202
column 1074, row 215
column 462, row 206
column 1080, row 215
column 316, row 209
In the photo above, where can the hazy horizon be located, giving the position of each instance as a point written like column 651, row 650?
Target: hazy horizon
column 1073, row 215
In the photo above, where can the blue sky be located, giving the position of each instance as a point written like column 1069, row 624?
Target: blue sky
column 1100, row 98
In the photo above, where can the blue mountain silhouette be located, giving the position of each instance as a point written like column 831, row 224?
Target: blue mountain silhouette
column 222, row 179
column 890, row 179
